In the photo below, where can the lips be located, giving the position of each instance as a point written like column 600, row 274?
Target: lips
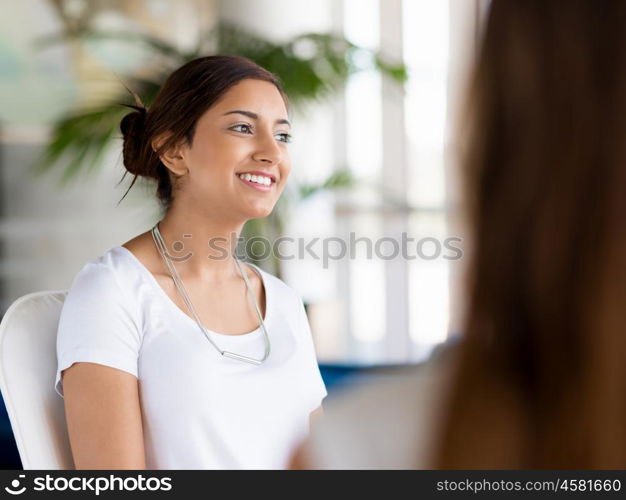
column 261, row 173
column 256, row 185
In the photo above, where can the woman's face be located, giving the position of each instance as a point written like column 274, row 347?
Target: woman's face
column 239, row 160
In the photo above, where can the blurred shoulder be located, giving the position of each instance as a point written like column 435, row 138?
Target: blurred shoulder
column 387, row 420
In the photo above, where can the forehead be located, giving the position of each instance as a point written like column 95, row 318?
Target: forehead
column 258, row 96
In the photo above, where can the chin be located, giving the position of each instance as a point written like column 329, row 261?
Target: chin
column 260, row 212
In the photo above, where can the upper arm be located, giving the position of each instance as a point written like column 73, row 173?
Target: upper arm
column 103, row 414
column 100, row 322
column 299, row 459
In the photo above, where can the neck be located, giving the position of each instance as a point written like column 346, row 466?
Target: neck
column 200, row 246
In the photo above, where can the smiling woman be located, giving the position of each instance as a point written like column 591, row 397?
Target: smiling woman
column 213, row 114
column 161, row 339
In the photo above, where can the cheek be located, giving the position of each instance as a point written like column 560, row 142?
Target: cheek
column 217, row 152
column 205, row 158
column 285, row 170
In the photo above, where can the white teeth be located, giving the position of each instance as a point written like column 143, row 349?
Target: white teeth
column 259, row 179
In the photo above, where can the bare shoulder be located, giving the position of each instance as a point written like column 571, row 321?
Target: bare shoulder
column 142, row 247
column 252, row 274
column 256, row 282
column 138, row 243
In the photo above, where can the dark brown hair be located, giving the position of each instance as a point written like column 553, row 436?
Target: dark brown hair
column 184, row 97
column 541, row 381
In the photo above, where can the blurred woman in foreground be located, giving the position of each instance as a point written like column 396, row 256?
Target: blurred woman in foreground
column 540, row 378
column 541, row 381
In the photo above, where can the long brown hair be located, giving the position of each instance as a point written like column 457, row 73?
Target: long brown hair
column 541, row 378
column 184, row 97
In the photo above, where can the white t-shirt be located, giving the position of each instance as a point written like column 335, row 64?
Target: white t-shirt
column 201, row 410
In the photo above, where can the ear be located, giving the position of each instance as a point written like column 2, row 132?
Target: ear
column 173, row 158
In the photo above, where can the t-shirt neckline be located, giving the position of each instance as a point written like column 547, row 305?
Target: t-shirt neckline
column 226, row 336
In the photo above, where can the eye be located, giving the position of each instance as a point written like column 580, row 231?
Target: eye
column 248, row 128
column 285, row 137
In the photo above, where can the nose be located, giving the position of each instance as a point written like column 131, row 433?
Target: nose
column 267, row 151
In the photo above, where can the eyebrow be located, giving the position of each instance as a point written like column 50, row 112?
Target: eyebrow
column 254, row 116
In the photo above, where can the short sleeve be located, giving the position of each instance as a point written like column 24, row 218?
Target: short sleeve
column 99, row 323
column 318, row 388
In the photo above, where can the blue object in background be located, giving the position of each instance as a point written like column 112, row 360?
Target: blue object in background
column 9, row 457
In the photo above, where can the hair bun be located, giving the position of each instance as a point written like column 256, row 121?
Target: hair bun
column 132, row 127
column 133, row 123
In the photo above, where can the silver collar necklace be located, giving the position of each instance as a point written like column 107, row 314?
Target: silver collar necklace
column 158, row 240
